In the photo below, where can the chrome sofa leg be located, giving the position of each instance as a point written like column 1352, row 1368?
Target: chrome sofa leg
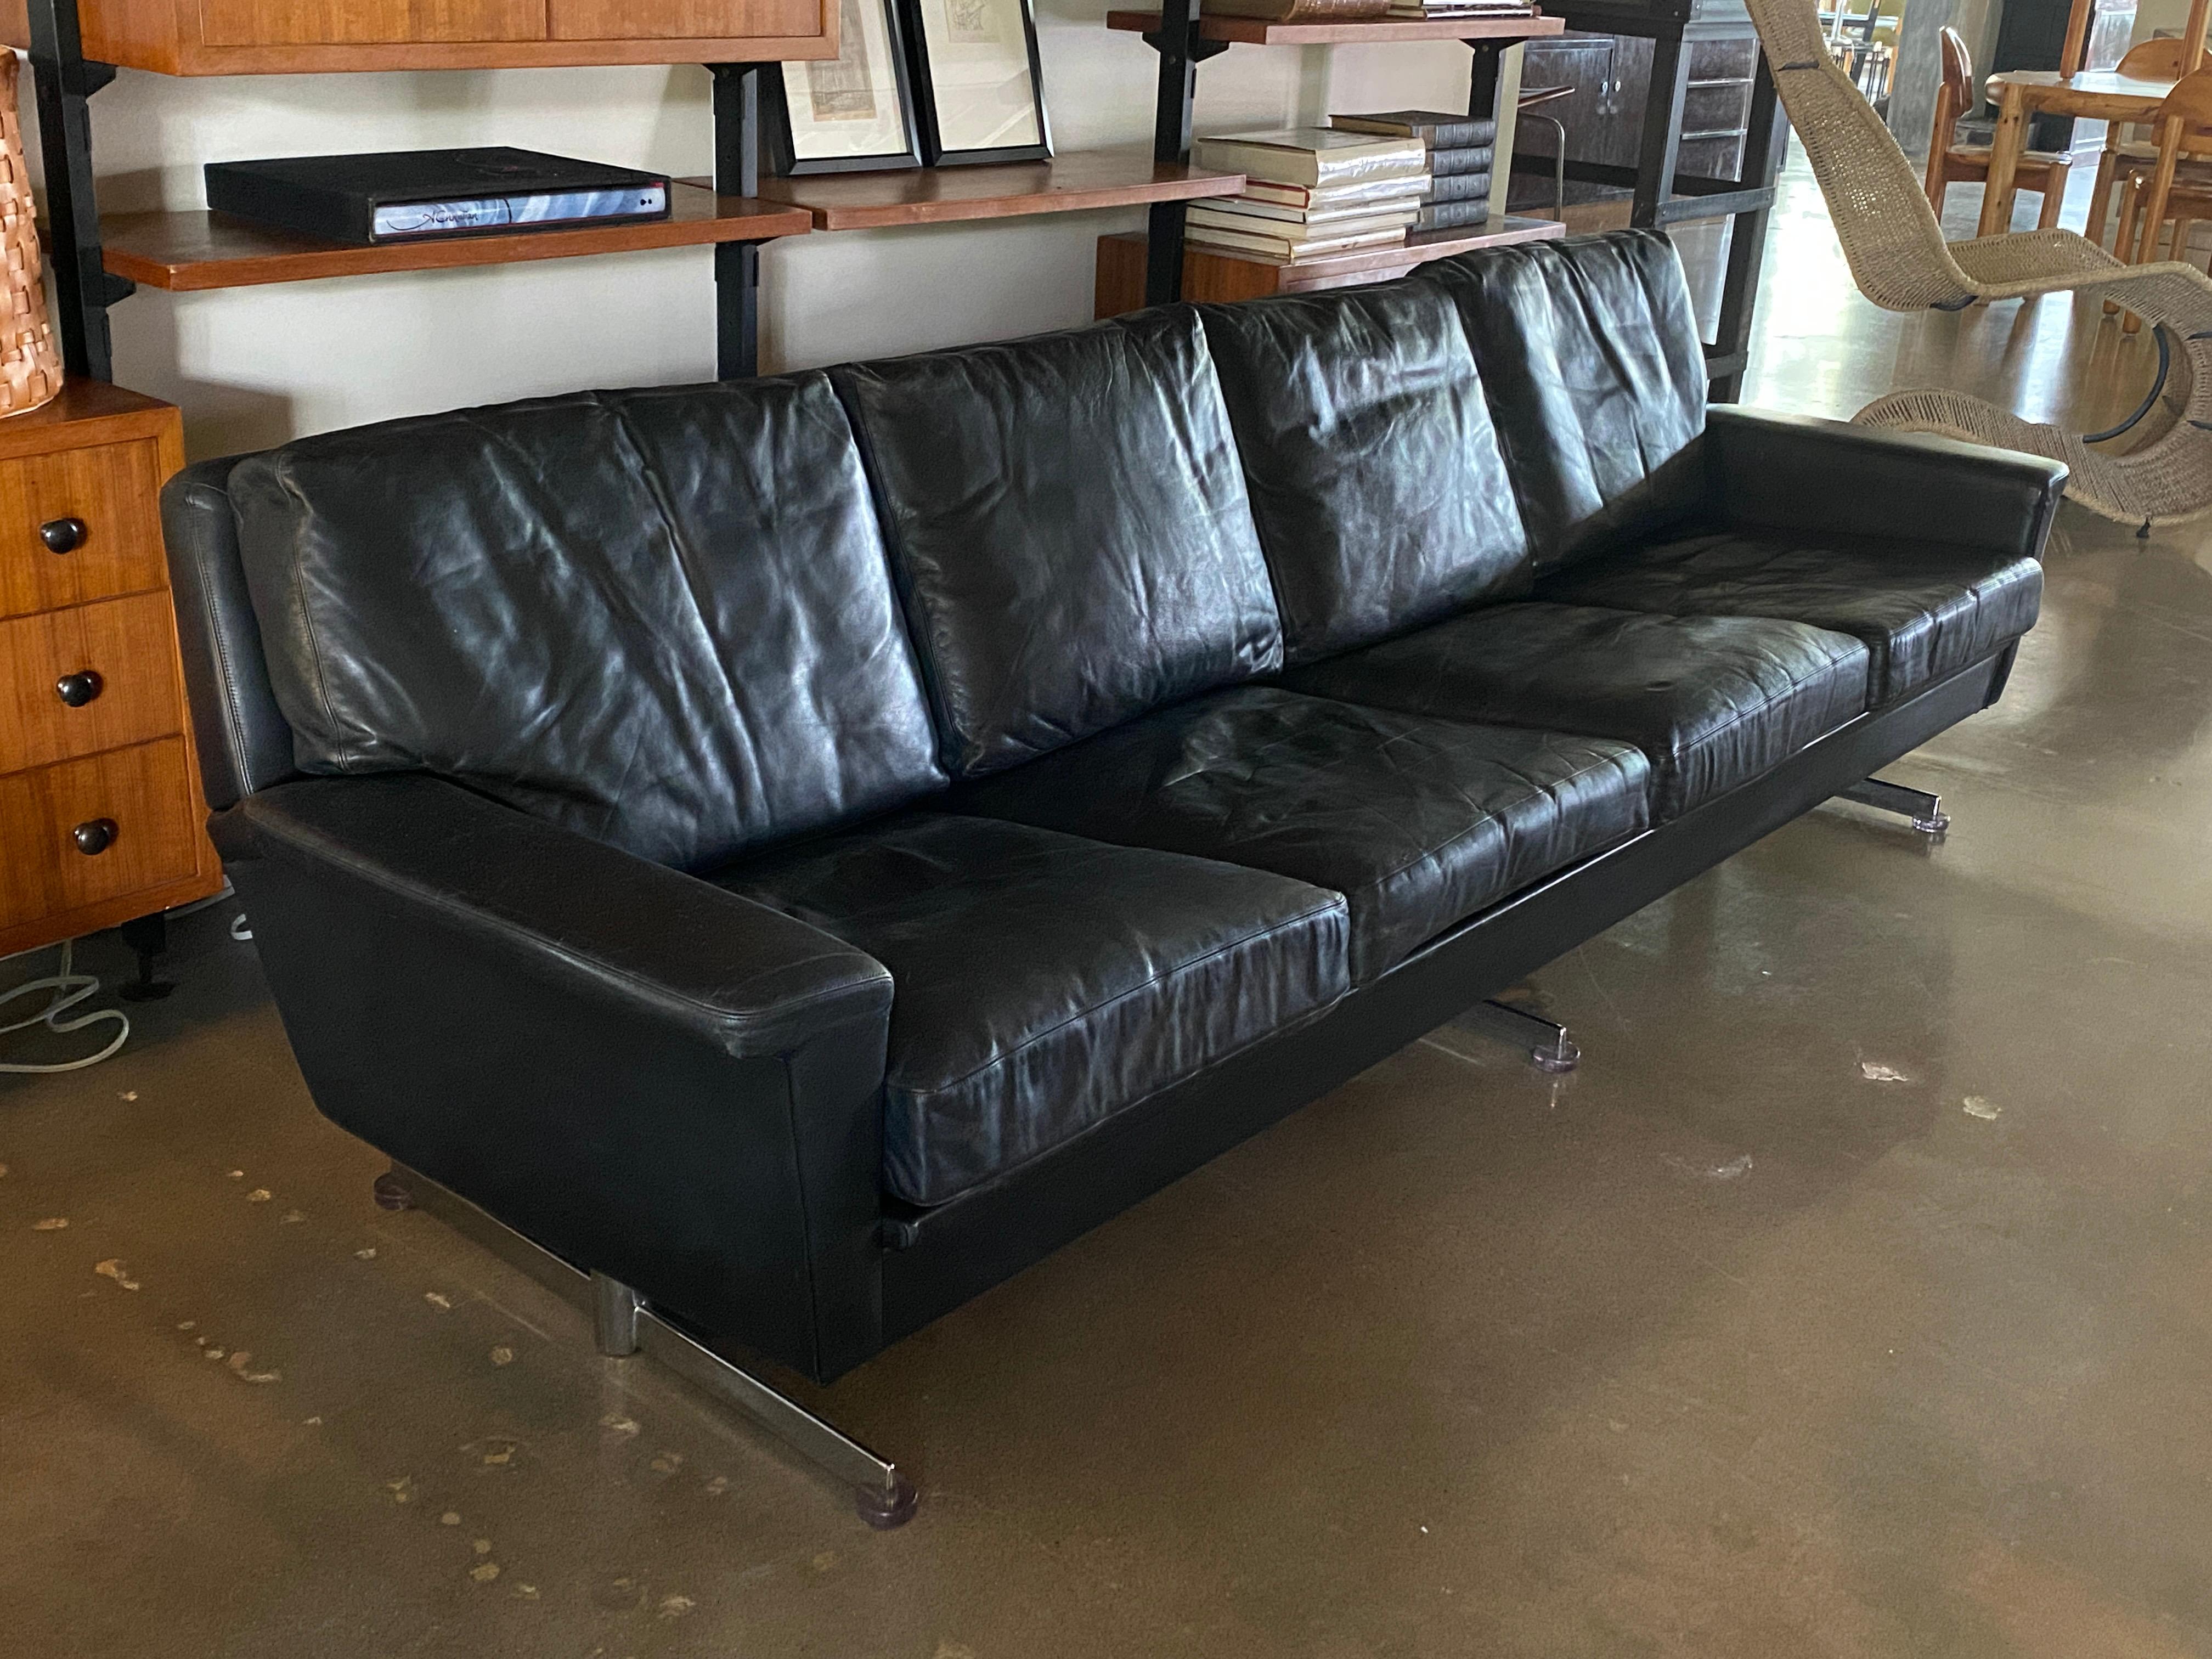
column 1923, row 811
column 623, row 1324
column 615, row 1310
column 1550, row 1049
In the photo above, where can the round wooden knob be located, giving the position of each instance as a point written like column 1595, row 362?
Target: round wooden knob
column 95, row 837
column 80, row 688
column 62, row 535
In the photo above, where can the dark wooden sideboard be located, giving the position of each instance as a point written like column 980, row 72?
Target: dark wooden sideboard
column 1610, row 74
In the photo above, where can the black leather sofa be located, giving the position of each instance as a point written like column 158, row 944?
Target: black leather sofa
column 808, row 848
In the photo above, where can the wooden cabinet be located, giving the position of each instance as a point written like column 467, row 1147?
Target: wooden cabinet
column 310, row 36
column 102, row 817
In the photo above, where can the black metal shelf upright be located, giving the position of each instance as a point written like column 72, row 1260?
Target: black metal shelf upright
column 1662, row 196
column 65, row 80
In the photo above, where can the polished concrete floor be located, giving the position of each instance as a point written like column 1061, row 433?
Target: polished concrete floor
column 1855, row 1298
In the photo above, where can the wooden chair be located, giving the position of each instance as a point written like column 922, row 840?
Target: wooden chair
column 1950, row 163
column 2185, row 128
column 2148, row 60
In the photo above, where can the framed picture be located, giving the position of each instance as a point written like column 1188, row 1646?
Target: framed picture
column 851, row 113
column 979, row 91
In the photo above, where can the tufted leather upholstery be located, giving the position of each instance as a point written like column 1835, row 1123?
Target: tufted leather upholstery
column 1373, row 465
column 1045, row 982
column 1419, row 823
column 1070, row 531
column 660, row 618
column 1713, row 702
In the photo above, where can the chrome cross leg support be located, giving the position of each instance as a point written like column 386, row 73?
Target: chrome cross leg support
column 624, row 1325
column 1923, row 811
column 1550, row 1047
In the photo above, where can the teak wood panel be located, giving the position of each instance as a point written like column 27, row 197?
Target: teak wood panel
column 184, row 251
column 334, row 22
column 142, row 789
column 679, row 20
column 1081, row 179
column 321, row 37
column 130, row 644
column 114, row 488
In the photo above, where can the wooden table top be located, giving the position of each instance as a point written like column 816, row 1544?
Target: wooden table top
column 2097, row 94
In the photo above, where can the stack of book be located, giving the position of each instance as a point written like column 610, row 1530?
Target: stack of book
column 1458, row 149
column 1425, row 8
column 1309, row 191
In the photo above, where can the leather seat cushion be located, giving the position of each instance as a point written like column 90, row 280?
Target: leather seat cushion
column 1924, row 610
column 1590, row 355
column 1419, row 823
column 1713, row 702
column 1044, row 982
column 1374, row 471
column 1070, row 529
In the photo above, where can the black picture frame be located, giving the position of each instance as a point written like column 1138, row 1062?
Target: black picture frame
column 934, row 152
column 781, row 141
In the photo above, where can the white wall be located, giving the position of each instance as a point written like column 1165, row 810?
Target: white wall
column 253, row 365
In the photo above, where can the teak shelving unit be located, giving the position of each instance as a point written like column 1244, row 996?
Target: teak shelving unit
column 1184, row 39
column 96, row 262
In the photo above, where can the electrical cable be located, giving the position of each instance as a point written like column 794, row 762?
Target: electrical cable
column 69, row 988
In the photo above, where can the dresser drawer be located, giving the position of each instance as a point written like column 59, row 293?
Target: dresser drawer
column 80, row 525
column 91, row 677
column 135, row 810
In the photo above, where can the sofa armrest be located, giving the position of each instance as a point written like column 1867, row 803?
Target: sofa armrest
column 750, row 979
column 648, row 1076
column 1800, row 472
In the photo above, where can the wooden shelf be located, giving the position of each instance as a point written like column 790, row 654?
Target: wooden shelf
column 928, row 196
column 1216, row 273
column 1259, row 32
column 189, row 252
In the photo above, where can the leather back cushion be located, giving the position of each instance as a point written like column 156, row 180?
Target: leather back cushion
column 1591, row 355
column 662, row 618
column 1375, row 474
column 1070, row 529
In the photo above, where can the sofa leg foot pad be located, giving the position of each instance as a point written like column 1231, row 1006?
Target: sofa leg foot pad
column 1550, row 1049
column 1923, row 811
column 885, row 1507
column 390, row 1193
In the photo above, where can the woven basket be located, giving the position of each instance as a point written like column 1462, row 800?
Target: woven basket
column 30, row 367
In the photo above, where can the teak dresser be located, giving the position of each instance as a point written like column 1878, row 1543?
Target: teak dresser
column 100, row 813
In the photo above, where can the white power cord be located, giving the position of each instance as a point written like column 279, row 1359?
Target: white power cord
column 69, row 988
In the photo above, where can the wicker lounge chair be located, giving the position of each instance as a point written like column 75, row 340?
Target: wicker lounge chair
column 1899, row 258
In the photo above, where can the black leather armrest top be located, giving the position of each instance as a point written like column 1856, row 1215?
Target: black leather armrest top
column 1799, row 472
column 751, row 980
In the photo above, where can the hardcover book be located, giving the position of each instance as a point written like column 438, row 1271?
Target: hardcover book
column 1331, row 197
column 1453, row 215
column 1286, row 252
column 1313, row 156
column 1298, row 235
column 1435, row 127
column 1473, row 158
column 1299, row 11
column 414, row 195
